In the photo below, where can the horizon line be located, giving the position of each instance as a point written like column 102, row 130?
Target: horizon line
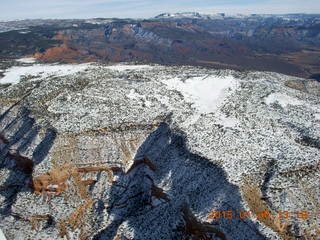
column 139, row 18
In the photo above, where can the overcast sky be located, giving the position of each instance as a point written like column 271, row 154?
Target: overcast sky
column 22, row 9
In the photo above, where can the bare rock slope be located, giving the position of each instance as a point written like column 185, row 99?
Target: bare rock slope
column 148, row 151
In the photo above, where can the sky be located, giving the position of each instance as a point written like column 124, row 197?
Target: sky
column 30, row 9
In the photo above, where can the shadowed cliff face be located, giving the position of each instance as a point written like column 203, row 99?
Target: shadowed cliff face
column 18, row 134
column 163, row 182
column 190, row 181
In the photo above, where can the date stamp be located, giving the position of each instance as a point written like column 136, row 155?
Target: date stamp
column 262, row 215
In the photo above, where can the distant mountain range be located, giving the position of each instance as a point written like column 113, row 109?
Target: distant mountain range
column 197, row 15
column 287, row 44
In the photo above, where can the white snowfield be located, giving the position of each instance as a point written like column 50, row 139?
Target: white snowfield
column 283, row 99
column 206, row 93
column 14, row 74
column 2, row 237
column 26, row 60
column 40, row 71
column 121, row 67
column 286, row 100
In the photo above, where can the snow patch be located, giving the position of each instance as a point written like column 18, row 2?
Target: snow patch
column 162, row 99
column 136, row 96
column 99, row 22
column 13, row 75
column 24, row 32
column 205, row 93
column 2, row 237
column 282, row 99
column 285, row 100
column 121, row 68
column 26, row 60
column 225, row 121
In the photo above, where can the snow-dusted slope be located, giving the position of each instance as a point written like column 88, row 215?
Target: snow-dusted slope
column 146, row 152
column 14, row 74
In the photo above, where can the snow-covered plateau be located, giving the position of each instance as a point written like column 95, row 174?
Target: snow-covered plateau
column 97, row 151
